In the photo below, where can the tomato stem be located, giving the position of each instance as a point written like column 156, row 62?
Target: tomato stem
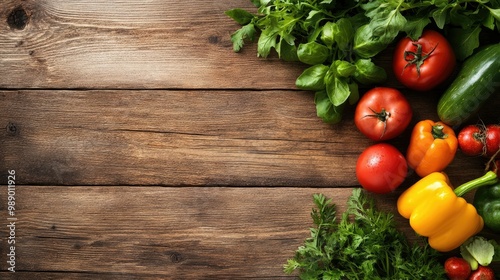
column 417, row 58
column 382, row 116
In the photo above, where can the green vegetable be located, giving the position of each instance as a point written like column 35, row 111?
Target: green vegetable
column 477, row 250
column 487, row 203
column 475, row 83
column 329, row 33
column 363, row 244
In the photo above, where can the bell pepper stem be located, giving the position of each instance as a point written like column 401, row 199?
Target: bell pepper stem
column 489, row 178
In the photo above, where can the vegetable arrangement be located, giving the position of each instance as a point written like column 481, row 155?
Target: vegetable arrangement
column 364, row 244
column 338, row 40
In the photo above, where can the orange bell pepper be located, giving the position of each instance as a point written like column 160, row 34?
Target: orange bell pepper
column 432, row 147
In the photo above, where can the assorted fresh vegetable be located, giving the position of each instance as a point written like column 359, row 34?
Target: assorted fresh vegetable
column 382, row 113
column 476, row 82
column 438, row 211
column 432, row 147
column 363, row 244
column 425, row 63
column 381, row 168
column 339, row 41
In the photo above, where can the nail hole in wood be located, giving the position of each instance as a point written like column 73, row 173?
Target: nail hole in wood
column 18, row 18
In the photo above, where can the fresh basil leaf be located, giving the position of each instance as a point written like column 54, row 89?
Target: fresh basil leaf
column 343, row 33
column 313, row 53
column 286, row 51
column 313, row 78
column 325, row 109
column 464, row 41
column 245, row 32
column 365, row 44
column 368, row 73
column 415, row 27
column 337, row 89
column 240, row 16
column 327, row 34
column 344, row 68
column 387, row 24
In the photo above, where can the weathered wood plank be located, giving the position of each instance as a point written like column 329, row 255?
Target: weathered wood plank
column 179, row 233
column 160, row 233
column 163, row 233
column 131, row 44
column 233, row 138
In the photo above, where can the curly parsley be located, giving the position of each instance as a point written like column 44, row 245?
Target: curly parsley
column 363, row 244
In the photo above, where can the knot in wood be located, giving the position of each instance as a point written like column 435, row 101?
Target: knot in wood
column 18, row 18
column 11, row 128
column 176, row 257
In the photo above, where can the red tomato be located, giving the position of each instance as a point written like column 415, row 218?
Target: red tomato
column 492, row 140
column 471, row 140
column 425, row 63
column 457, row 268
column 381, row 168
column 483, row 273
column 477, row 140
column 382, row 113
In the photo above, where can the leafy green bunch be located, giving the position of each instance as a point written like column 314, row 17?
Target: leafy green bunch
column 364, row 244
column 339, row 38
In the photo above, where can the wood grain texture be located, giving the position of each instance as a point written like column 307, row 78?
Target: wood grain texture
column 145, row 148
column 131, row 44
column 233, row 138
column 161, row 233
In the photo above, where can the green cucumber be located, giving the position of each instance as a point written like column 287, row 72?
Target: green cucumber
column 477, row 80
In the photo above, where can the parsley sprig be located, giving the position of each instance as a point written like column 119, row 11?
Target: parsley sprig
column 363, row 244
column 339, row 38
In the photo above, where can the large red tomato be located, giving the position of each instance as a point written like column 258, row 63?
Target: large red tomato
column 382, row 113
column 381, row 168
column 425, row 63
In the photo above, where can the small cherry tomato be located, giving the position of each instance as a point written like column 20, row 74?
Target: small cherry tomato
column 483, row 273
column 492, row 140
column 457, row 268
column 425, row 63
column 480, row 140
column 382, row 113
column 471, row 140
column 381, row 168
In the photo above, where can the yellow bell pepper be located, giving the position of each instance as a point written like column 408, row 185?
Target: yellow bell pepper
column 438, row 212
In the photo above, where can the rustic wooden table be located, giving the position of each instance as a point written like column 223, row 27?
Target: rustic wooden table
column 145, row 148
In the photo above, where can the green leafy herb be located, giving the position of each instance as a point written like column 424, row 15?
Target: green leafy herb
column 325, row 32
column 363, row 244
